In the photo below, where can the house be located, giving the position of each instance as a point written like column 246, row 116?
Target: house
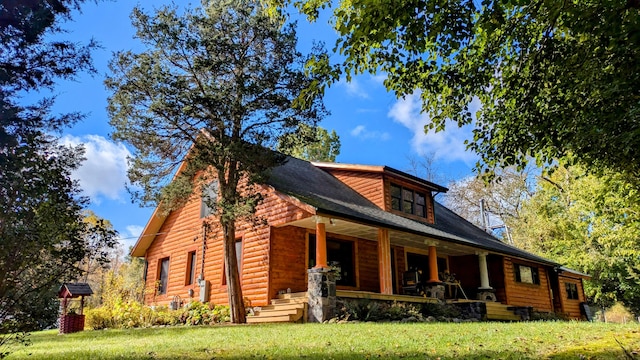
column 377, row 226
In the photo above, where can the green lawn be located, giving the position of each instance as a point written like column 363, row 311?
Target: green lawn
column 535, row 340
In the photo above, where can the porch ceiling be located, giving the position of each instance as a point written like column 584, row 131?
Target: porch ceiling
column 398, row 238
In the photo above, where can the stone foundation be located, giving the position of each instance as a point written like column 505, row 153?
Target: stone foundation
column 435, row 291
column 472, row 310
column 487, row 295
column 321, row 294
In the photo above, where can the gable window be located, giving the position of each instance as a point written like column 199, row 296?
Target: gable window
column 163, row 275
column 527, row 274
column 191, row 268
column 208, row 199
column 238, row 259
column 572, row 291
column 408, row 201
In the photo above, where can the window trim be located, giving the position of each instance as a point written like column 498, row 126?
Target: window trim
column 239, row 259
column 535, row 274
column 570, row 290
column 415, row 195
column 163, row 286
column 190, row 273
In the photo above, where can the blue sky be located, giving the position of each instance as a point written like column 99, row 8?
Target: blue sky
column 374, row 127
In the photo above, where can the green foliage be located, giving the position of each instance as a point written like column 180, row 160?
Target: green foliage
column 215, row 88
column 552, row 77
column 590, row 224
column 311, row 143
column 198, row 313
column 43, row 238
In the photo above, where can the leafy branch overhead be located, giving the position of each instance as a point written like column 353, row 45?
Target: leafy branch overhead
column 554, row 77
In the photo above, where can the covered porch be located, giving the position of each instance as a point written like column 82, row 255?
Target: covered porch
column 376, row 260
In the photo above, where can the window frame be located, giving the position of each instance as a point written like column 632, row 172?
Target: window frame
column 408, row 206
column 163, row 285
column 571, row 289
column 239, row 257
column 534, row 274
column 190, row 273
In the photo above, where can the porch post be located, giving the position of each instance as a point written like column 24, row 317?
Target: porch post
column 384, row 257
column 433, row 262
column 321, row 244
column 484, row 272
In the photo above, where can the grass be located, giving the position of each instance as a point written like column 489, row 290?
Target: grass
column 533, row 340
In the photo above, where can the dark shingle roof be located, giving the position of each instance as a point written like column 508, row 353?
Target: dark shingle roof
column 76, row 289
column 330, row 196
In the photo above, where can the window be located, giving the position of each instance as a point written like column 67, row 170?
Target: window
column 208, row 199
column 191, row 268
column 408, row 201
column 238, row 259
column 341, row 255
column 527, row 274
column 163, row 275
column 572, row 291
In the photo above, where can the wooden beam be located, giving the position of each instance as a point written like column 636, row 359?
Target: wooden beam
column 384, row 259
column 433, row 264
column 321, row 245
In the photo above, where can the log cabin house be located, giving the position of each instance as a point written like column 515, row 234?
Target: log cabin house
column 380, row 228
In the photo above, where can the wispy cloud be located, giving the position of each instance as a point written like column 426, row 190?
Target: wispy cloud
column 353, row 88
column 447, row 145
column 104, row 172
column 362, row 133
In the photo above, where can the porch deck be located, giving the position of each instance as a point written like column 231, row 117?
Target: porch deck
column 351, row 294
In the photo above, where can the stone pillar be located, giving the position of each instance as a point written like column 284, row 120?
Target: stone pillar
column 384, row 258
column 321, row 245
column 321, row 294
column 484, row 272
column 433, row 263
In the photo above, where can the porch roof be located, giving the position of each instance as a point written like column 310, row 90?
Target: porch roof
column 331, row 197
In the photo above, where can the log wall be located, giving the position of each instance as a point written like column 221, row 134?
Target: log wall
column 522, row 294
column 369, row 185
column 181, row 233
column 570, row 307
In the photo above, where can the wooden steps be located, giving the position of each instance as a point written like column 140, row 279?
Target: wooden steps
column 286, row 308
column 501, row 312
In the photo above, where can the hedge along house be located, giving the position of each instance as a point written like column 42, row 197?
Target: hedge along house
column 378, row 228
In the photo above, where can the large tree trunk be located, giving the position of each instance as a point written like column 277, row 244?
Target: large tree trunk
column 234, row 290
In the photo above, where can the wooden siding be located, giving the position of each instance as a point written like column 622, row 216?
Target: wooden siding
column 369, row 185
column 368, row 272
column 288, row 260
column 520, row 294
column 181, row 232
column 401, row 267
column 570, row 307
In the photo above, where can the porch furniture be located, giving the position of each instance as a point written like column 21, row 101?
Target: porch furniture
column 412, row 283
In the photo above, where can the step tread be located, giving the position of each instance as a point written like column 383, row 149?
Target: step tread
column 298, row 305
column 292, row 295
column 298, row 300
column 279, row 312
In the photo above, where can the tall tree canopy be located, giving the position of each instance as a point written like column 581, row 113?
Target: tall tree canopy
column 591, row 224
column 43, row 238
column 311, row 143
column 553, row 77
column 216, row 87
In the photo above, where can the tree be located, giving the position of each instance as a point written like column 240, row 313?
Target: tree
column 591, row 224
column 217, row 87
column 503, row 197
column 553, row 77
column 311, row 143
column 42, row 235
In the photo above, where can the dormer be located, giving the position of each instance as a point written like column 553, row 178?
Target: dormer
column 391, row 190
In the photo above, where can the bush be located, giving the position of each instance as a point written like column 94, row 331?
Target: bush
column 198, row 313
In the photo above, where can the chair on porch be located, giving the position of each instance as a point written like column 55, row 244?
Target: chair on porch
column 412, row 282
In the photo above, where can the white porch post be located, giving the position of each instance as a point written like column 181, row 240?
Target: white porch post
column 484, row 272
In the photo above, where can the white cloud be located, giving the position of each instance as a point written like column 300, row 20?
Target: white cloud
column 104, row 172
column 354, row 89
column 447, row 145
column 362, row 133
column 379, row 78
